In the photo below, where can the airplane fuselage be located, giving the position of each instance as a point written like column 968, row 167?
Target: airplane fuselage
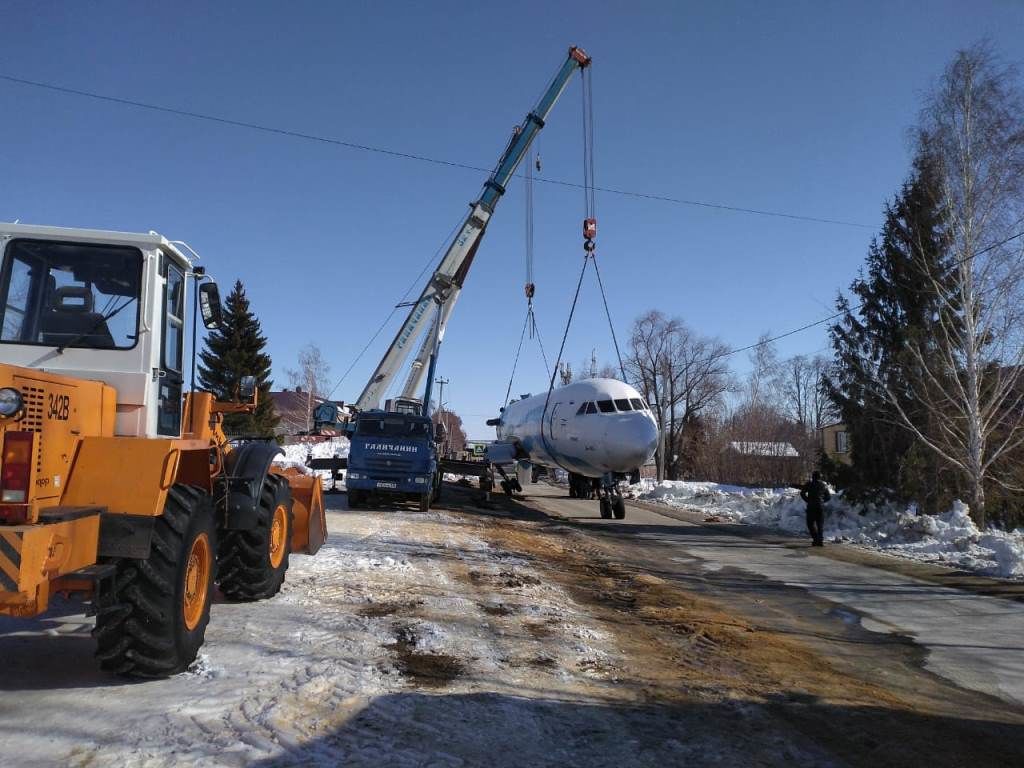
column 591, row 427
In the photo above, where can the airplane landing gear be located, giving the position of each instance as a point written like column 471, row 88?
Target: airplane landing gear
column 510, row 485
column 611, row 501
column 581, row 487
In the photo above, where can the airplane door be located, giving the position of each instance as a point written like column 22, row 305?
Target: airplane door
column 558, row 422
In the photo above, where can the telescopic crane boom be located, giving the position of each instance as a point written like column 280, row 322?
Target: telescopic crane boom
column 442, row 290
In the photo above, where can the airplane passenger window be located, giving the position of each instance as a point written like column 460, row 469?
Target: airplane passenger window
column 591, row 408
column 606, row 406
column 638, row 404
column 623, row 405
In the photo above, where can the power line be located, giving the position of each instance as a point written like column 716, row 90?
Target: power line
column 410, row 155
column 822, row 321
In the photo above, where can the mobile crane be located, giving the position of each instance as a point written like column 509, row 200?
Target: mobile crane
column 393, row 451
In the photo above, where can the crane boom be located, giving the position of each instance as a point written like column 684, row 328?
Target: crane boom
column 446, row 282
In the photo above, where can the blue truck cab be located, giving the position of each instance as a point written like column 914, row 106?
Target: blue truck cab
column 392, row 455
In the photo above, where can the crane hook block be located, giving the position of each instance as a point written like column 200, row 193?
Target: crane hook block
column 589, row 229
column 588, row 246
column 529, row 290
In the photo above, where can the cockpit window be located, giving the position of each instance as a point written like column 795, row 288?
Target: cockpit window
column 58, row 294
column 623, row 405
column 606, row 406
column 591, row 408
column 582, row 410
column 638, row 404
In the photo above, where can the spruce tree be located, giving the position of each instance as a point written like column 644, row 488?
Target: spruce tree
column 869, row 341
column 235, row 350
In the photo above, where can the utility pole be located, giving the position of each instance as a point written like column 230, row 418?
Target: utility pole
column 441, row 381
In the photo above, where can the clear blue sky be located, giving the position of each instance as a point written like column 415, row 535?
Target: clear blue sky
column 800, row 107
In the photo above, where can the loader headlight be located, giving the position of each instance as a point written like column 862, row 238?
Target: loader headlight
column 420, row 480
column 353, row 476
column 11, row 402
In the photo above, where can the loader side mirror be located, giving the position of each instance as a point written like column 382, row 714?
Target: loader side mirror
column 209, row 305
column 440, row 433
column 247, row 388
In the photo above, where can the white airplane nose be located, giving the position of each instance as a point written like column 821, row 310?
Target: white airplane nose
column 635, row 443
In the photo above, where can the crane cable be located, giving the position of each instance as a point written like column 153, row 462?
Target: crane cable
column 589, row 214
column 530, row 322
column 589, row 233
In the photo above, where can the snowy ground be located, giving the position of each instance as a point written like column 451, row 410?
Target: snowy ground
column 450, row 638
column 393, row 602
column 950, row 539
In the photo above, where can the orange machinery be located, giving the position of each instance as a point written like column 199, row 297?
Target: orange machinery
column 115, row 485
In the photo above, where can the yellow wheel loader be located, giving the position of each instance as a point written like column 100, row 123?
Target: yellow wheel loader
column 116, row 485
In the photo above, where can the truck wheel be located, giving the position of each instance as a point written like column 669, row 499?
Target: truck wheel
column 154, row 622
column 424, row 502
column 619, row 508
column 251, row 563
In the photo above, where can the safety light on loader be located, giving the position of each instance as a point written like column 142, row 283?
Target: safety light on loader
column 11, row 402
column 17, row 467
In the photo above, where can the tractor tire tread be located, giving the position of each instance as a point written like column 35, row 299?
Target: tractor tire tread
column 244, row 571
column 137, row 634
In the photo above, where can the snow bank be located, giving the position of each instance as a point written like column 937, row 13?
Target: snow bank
column 295, row 456
column 950, row 539
column 324, row 449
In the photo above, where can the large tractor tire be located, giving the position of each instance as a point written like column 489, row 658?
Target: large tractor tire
column 251, row 563
column 154, row 621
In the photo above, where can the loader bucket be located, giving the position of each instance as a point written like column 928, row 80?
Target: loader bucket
column 309, row 530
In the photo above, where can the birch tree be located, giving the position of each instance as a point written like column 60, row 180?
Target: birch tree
column 311, row 376
column 971, row 383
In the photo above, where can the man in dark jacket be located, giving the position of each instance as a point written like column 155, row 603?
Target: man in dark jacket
column 815, row 494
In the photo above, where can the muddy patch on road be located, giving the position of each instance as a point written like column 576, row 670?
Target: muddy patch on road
column 506, row 578
column 500, row 609
column 381, row 609
column 421, row 667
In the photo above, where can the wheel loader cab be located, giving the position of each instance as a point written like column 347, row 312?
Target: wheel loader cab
column 103, row 306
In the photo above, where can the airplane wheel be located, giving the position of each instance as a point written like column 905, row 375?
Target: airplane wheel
column 619, row 508
column 606, row 508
